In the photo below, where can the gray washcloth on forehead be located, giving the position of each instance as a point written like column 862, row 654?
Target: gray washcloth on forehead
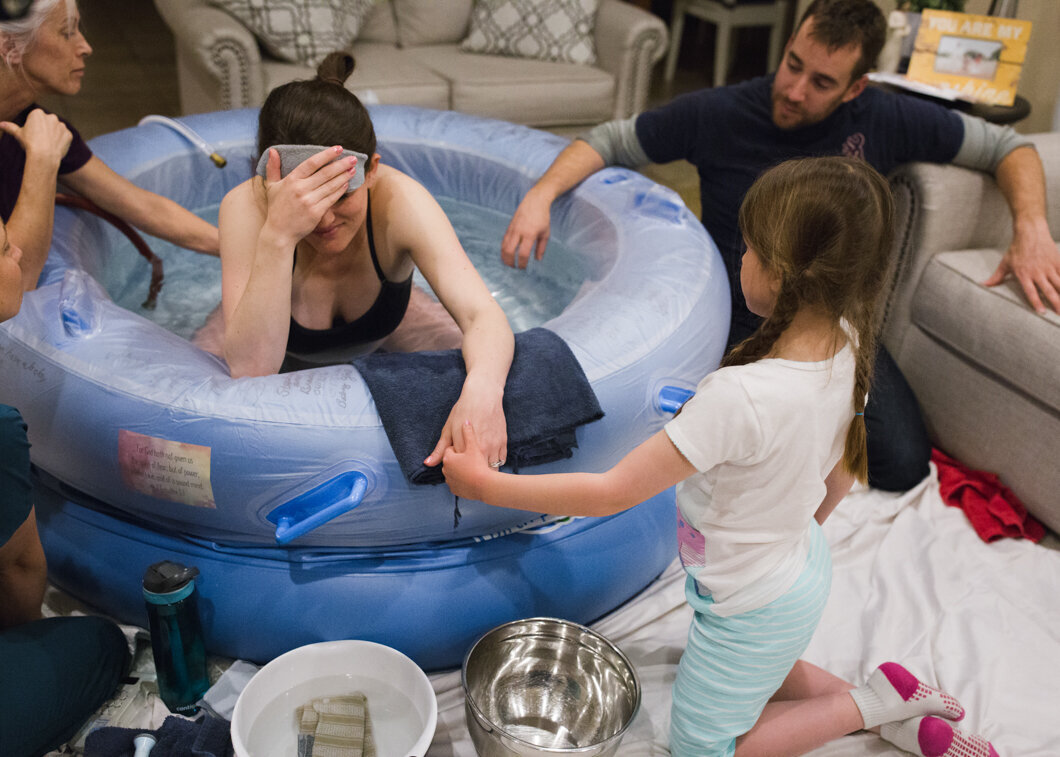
column 292, row 155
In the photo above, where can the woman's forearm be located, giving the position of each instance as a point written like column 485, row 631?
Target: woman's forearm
column 163, row 218
column 30, row 224
column 256, row 329
column 147, row 211
column 255, row 341
column 488, row 348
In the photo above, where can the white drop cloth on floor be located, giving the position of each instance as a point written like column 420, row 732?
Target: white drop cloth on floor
column 913, row 583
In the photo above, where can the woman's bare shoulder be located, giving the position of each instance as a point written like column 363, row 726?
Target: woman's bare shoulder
column 243, row 205
column 240, row 220
column 242, row 196
column 400, row 197
column 396, row 184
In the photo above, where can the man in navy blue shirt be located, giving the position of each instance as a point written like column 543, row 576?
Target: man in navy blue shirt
column 817, row 103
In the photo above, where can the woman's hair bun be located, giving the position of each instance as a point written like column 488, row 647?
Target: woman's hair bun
column 336, row 68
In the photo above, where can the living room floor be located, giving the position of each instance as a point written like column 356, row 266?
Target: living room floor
column 132, row 73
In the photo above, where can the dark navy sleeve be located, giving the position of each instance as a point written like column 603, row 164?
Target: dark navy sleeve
column 913, row 129
column 15, row 491
column 673, row 131
column 78, row 154
column 13, row 162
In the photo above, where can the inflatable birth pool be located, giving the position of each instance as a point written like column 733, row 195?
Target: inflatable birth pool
column 283, row 489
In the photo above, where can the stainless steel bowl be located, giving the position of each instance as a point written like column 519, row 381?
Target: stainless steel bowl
column 544, row 686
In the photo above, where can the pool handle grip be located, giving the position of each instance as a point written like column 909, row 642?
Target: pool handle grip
column 671, row 398
column 316, row 507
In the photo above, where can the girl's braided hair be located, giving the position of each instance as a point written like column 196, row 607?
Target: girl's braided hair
column 823, row 226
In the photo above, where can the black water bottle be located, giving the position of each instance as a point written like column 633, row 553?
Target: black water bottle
column 176, row 635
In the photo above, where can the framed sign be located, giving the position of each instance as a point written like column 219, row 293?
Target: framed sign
column 977, row 58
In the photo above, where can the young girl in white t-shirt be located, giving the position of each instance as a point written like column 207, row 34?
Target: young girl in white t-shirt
column 764, row 451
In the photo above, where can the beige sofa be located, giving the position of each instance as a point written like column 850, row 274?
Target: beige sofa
column 985, row 367
column 408, row 53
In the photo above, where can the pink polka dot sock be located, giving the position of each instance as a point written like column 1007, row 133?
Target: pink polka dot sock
column 935, row 737
column 893, row 693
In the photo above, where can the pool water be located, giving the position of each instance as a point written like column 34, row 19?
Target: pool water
column 191, row 288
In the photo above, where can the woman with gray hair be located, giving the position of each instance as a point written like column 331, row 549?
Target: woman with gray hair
column 45, row 53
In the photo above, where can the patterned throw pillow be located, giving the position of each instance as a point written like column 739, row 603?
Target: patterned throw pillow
column 557, row 30
column 300, row 31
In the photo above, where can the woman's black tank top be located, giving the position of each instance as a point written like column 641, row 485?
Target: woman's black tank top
column 378, row 321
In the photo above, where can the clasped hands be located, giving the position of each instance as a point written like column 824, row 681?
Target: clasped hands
column 465, row 466
column 476, row 423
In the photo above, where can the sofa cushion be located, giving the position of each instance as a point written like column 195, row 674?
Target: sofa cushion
column 383, row 74
column 989, row 327
column 300, row 31
column 555, row 30
column 379, row 25
column 536, row 93
column 430, row 22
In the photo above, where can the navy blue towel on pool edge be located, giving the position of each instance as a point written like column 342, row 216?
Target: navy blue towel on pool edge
column 546, row 397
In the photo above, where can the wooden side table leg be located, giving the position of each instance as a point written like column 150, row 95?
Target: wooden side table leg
column 722, row 42
column 677, row 27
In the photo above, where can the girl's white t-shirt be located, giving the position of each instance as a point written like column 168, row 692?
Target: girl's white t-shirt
column 764, row 437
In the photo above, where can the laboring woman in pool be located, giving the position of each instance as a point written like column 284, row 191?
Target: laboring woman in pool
column 316, row 269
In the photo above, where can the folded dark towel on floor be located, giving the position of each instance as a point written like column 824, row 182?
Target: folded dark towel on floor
column 992, row 508
column 178, row 737
column 546, row 397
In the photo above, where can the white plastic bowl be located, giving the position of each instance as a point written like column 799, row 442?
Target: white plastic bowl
column 401, row 701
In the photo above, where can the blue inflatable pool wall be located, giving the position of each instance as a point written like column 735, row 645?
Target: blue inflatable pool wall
column 110, row 397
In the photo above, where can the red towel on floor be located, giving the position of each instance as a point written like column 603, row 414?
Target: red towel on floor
column 992, row 508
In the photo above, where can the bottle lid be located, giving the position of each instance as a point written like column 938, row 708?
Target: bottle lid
column 167, row 577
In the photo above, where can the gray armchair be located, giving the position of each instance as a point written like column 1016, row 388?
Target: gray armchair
column 985, row 367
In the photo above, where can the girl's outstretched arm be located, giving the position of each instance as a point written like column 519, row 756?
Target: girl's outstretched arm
column 649, row 469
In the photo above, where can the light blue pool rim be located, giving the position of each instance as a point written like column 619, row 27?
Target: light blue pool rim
column 90, row 377
column 129, row 414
